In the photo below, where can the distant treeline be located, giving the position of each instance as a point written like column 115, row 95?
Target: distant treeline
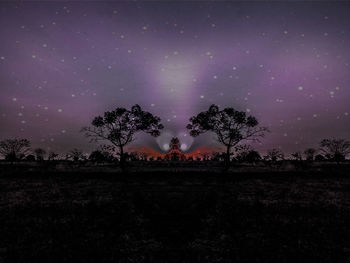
column 20, row 150
column 118, row 127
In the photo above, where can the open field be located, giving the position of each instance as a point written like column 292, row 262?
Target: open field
column 175, row 217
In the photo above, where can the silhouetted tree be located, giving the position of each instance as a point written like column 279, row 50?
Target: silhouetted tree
column 253, row 156
column 120, row 125
column 52, row 156
column 230, row 126
column 100, row 156
column 206, row 156
column 297, row 156
column 39, row 154
column 131, row 156
column 309, row 154
column 14, row 149
column 242, row 151
column 30, row 158
column 219, row 156
column 335, row 149
column 142, row 156
column 245, row 153
column 75, row 154
column 274, row 155
column 319, row 158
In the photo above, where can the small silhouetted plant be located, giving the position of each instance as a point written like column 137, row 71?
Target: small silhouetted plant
column 39, row 154
column 319, row 158
column 274, row 155
column 100, row 156
column 14, row 149
column 206, row 156
column 219, row 156
column 297, row 156
column 253, row 156
column 309, row 154
column 139, row 156
column 75, row 154
column 245, row 153
column 52, row 156
column 335, row 149
column 30, row 158
column 120, row 126
column 231, row 127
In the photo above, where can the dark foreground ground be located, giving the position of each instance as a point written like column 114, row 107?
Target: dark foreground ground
column 175, row 217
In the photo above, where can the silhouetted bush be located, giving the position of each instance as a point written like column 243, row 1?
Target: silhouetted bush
column 335, row 149
column 14, row 149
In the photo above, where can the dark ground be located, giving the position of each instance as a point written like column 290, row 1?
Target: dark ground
column 175, row 217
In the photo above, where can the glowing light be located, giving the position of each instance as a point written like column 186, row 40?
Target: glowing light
column 166, row 147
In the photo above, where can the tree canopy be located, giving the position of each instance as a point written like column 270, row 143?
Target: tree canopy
column 231, row 126
column 120, row 126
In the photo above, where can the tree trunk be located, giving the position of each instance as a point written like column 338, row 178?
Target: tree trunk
column 227, row 159
column 122, row 157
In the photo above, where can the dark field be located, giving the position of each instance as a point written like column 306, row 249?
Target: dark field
column 175, row 217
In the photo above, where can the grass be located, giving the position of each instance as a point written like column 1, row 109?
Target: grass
column 175, row 217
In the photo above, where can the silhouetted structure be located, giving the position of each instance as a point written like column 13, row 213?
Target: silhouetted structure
column 175, row 152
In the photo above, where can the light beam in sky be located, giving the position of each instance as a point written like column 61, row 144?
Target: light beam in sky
column 288, row 64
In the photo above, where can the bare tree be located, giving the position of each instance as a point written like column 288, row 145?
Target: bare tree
column 120, row 125
column 14, row 149
column 230, row 126
column 335, row 149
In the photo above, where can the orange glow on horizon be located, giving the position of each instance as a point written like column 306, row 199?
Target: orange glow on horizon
column 200, row 152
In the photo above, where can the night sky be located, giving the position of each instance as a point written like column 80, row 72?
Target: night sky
column 63, row 63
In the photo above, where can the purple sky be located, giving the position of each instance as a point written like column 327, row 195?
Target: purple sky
column 62, row 63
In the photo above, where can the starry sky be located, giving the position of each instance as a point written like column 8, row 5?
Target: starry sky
column 63, row 63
